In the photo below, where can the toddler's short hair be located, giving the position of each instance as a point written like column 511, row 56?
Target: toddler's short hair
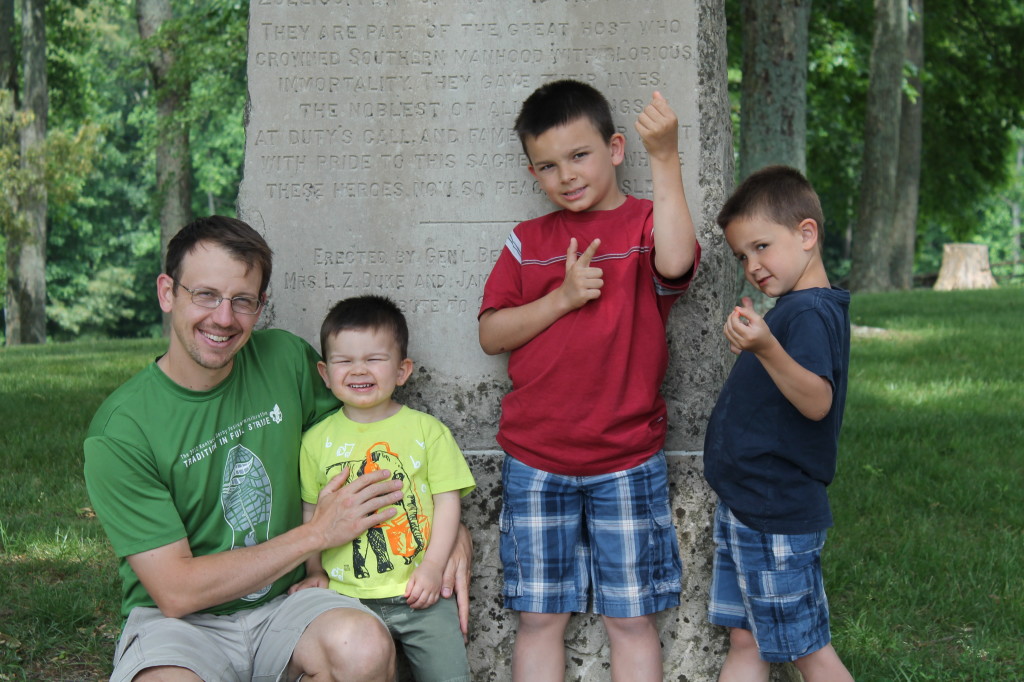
column 778, row 193
column 559, row 102
column 366, row 312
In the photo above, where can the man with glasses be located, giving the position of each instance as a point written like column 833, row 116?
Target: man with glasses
column 192, row 468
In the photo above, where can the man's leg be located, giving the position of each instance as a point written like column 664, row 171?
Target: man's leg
column 743, row 662
column 539, row 653
column 166, row 674
column 636, row 648
column 344, row 644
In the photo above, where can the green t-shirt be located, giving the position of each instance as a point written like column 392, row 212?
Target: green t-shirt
column 218, row 467
column 417, row 449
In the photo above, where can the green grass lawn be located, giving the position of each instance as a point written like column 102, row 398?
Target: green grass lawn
column 923, row 568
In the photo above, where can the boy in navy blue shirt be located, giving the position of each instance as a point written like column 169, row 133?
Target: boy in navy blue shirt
column 771, row 444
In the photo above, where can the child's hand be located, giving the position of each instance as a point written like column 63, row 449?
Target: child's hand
column 582, row 282
column 659, row 128
column 745, row 329
column 424, row 586
column 311, row 580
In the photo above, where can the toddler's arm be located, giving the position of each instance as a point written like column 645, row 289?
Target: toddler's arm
column 674, row 236
column 315, row 574
column 424, row 586
column 809, row 393
column 509, row 328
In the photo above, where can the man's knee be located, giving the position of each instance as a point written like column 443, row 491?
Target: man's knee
column 165, row 673
column 361, row 645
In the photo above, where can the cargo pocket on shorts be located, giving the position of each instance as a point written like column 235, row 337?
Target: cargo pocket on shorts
column 666, row 564
column 783, row 609
column 508, row 548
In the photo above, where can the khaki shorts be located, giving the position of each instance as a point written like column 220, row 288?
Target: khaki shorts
column 255, row 644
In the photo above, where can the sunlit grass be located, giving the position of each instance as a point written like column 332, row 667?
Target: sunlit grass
column 59, row 590
column 922, row 568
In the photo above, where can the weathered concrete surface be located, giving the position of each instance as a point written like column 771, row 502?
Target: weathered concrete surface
column 342, row 89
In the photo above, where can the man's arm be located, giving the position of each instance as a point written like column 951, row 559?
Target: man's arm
column 808, row 392
column 457, row 576
column 674, row 236
column 181, row 583
column 506, row 329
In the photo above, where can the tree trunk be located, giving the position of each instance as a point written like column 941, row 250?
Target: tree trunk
column 8, row 61
column 908, row 173
column 25, row 307
column 773, row 99
column 872, row 235
column 173, row 167
column 965, row 266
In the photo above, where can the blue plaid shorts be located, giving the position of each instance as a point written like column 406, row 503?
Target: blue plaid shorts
column 562, row 534
column 771, row 585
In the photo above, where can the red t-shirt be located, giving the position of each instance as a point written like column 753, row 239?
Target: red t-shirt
column 585, row 396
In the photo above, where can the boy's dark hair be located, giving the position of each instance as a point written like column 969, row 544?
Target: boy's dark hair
column 234, row 236
column 559, row 102
column 366, row 312
column 778, row 193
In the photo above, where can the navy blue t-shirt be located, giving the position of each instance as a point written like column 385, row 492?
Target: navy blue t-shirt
column 768, row 463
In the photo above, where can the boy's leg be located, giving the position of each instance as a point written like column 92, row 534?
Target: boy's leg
column 743, row 662
column 636, row 648
column 539, row 653
column 635, row 563
column 430, row 638
column 823, row 666
column 545, row 558
column 770, row 587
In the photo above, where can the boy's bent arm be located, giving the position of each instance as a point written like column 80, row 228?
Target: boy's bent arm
column 509, row 328
column 424, row 587
column 443, row 527
column 808, row 392
column 674, row 235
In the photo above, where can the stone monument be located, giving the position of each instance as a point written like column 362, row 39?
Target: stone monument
column 381, row 158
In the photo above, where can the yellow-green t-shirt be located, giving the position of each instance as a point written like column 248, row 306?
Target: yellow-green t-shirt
column 417, row 449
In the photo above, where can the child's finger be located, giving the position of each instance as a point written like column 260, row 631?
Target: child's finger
column 585, row 259
column 570, row 254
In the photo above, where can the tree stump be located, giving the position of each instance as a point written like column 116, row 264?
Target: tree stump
column 965, row 266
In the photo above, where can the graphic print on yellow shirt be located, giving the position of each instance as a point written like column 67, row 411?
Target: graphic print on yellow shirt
column 420, row 452
column 407, row 532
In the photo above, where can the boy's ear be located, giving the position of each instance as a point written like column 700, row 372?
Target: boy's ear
column 321, row 367
column 404, row 371
column 808, row 230
column 617, row 145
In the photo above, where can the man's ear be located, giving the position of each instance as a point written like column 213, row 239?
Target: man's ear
column 808, row 230
column 165, row 292
column 404, row 371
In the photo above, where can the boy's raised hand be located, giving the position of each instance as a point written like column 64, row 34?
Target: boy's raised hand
column 582, row 282
column 659, row 128
column 745, row 329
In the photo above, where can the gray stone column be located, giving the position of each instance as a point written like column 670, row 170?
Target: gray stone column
column 380, row 157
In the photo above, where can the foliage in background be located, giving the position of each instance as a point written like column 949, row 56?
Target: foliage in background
column 973, row 106
column 104, row 248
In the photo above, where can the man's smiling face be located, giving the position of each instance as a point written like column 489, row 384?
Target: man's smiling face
column 204, row 341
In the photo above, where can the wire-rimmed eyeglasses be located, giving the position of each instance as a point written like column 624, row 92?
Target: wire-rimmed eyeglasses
column 243, row 305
